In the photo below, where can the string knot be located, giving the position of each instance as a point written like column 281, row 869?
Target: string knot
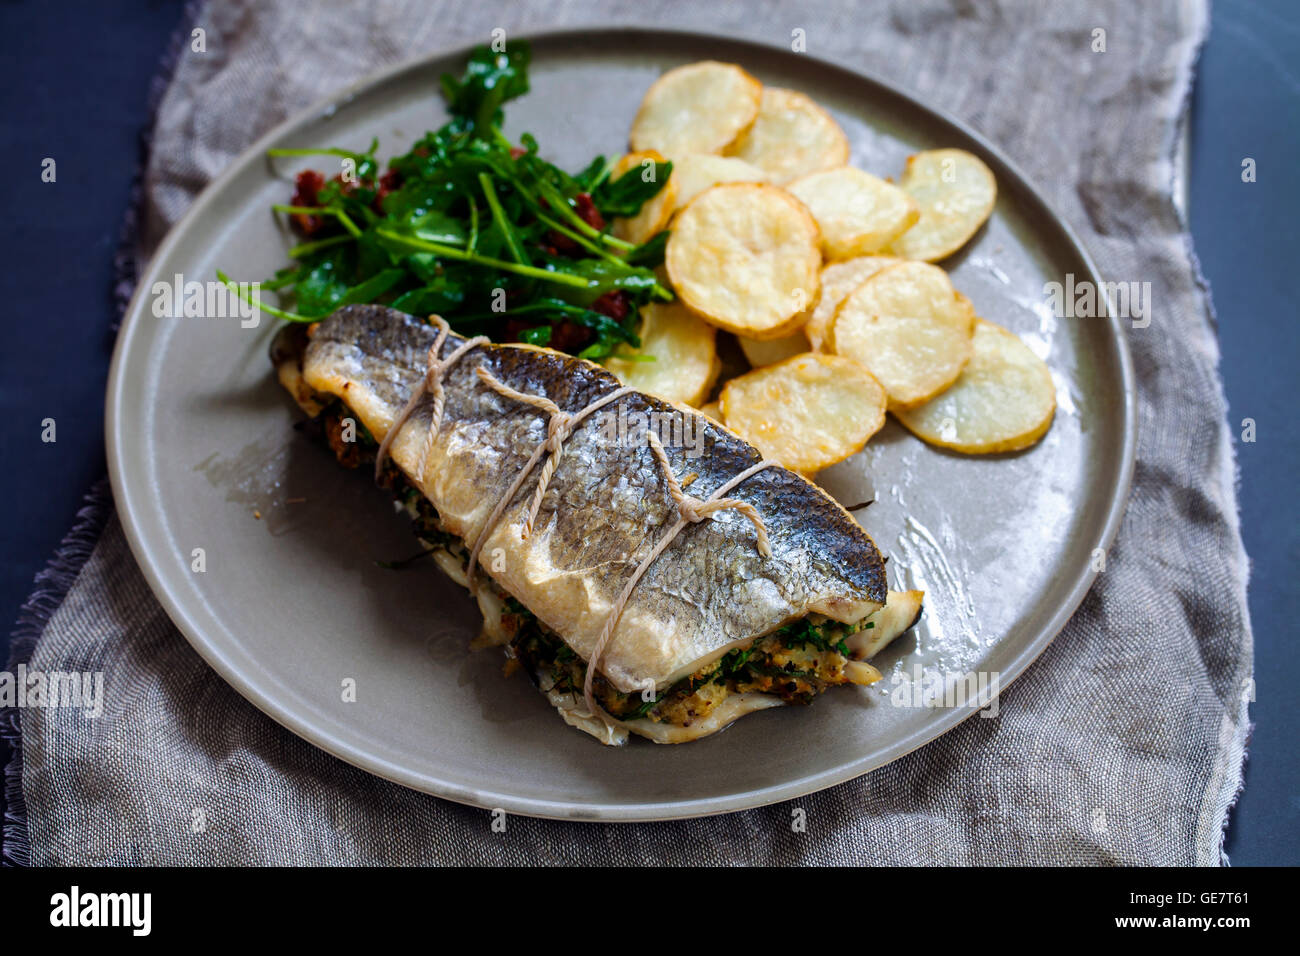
column 558, row 429
column 694, row 510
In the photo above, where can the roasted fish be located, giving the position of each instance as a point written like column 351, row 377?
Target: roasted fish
column 768, row 601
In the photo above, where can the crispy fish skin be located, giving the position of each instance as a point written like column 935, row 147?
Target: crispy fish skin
column 607, row 503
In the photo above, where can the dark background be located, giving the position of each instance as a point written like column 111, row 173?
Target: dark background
column 76, row 88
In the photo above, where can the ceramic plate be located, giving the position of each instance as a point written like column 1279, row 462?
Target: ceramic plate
column 291, row 603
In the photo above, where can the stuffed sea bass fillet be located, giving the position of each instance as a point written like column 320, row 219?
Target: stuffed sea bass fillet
column 713, row 630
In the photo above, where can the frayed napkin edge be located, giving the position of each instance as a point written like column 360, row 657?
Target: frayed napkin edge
column 52, row 586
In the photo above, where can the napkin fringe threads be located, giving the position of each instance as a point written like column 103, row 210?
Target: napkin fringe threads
column 51, row 587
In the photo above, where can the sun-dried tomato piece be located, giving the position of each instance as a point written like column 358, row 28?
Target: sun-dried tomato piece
column 307, row 186
column 587, row 211
column 616, row 305
column 565, row 336
column 390, row 182
column 570, row 337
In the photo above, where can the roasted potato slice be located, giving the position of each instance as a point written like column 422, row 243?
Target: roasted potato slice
column 838, row 280
column 857, row 213
column 744, row 257
column 683, row 348
column 771, row 351
column 955, row 192
column 1004, row 399
column 713, row 410
column 656, row 211
column 697, row 108
column 807, row 412
column 695, row 172
column 910, row 327
column 791, row 137
column 901, row 611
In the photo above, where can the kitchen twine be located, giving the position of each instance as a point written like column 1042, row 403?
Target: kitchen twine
column 560, row 425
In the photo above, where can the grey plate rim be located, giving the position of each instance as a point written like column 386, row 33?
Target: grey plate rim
column 130, row 507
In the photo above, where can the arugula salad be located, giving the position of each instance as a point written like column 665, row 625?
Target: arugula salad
column 475, row 228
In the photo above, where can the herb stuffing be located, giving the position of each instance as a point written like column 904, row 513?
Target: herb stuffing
column 475, row 228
